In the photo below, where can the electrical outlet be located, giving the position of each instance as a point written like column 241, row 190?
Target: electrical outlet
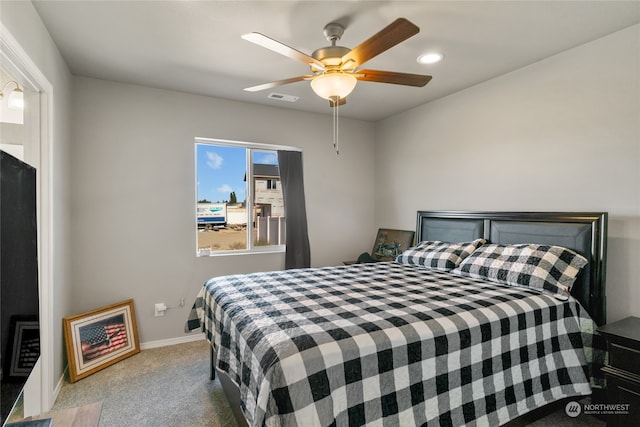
column 160, row 309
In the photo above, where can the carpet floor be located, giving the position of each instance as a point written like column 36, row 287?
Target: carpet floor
column 170, row 386
column 166, row 386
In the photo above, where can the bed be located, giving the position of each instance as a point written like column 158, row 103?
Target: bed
column 420, row 340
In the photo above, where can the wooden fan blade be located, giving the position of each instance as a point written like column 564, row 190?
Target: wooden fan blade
column 282, row 49
column 393, row 34
column 277, row 83
column 406, row 79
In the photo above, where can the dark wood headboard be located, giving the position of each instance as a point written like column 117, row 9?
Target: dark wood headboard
column 583, row 232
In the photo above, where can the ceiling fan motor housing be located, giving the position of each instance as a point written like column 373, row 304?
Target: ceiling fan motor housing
column 330, row 55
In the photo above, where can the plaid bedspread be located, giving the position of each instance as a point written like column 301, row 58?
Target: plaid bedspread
column 391, row 344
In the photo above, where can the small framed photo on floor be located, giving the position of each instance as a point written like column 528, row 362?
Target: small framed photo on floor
column 100, row 338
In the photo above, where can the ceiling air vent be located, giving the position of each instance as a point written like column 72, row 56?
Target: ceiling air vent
column 283, row 97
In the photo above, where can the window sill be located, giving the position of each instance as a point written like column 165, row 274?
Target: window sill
column 202, row 253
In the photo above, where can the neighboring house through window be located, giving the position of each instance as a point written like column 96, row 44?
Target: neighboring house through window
column 266, row 189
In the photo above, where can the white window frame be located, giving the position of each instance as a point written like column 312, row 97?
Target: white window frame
column 251, row 146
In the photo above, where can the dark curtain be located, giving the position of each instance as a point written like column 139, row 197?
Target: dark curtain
column 298, row 254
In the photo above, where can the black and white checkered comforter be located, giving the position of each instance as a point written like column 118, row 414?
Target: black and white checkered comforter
column 391, row 344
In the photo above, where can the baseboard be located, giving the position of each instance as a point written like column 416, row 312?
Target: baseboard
column 58, row 387
column 172, row 341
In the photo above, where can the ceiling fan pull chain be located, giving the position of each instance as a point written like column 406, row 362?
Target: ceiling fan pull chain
column 336, row 103
column 336, row 141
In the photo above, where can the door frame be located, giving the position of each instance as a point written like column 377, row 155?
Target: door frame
column 40, row 154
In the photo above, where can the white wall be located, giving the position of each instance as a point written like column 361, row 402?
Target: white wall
column 25, row 26
column 133, row 193
column 562, row 134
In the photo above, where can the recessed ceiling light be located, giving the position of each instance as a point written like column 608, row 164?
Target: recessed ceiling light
column 430, row 58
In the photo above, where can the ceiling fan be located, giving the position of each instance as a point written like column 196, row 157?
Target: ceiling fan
column 334, row 69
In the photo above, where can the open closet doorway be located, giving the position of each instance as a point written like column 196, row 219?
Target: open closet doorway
column 24, row 134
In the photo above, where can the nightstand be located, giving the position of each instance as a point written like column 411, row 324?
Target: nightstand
column 622, row 371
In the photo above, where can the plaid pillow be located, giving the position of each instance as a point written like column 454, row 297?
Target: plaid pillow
column 545, row 267
column 438, row 255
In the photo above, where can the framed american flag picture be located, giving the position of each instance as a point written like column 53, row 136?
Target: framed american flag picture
column 100, row 338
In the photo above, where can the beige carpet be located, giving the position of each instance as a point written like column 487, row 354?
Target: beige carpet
column 170, row 387
column 167, row 386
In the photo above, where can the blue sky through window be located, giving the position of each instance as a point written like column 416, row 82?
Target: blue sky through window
column 221, row 170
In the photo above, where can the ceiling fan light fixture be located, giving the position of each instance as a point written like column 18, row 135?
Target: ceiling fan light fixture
column 331, row 85
column 430, row 58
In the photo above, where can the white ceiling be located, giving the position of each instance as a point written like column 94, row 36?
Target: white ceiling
column 195, row 46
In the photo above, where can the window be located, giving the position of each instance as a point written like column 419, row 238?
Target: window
column 239, row 204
